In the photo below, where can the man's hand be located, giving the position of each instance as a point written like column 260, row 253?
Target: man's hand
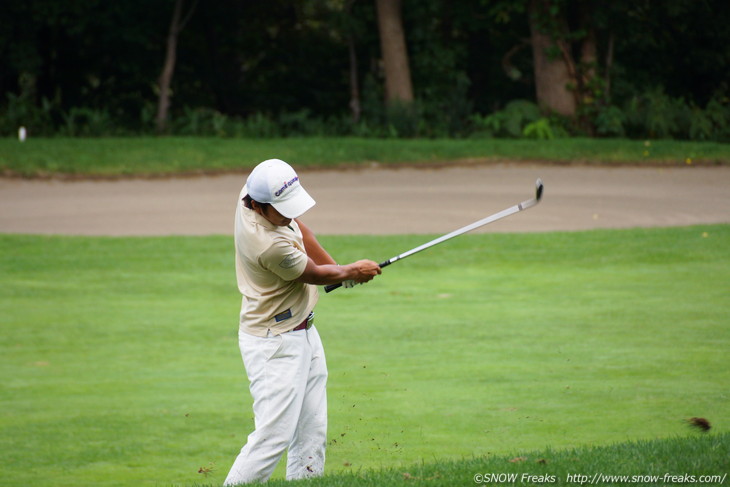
column 364, row 270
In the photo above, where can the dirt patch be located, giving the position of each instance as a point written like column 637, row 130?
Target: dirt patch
column 377, row 200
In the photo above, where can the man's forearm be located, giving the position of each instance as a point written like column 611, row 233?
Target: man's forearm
column 322, row 275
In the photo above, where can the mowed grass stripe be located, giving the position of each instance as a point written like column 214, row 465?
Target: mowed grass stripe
column 146, row 156
column 121, row 363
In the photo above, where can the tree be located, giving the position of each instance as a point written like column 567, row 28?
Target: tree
column 554, row 65
column 176, row 26
column 565, row 43
column 64, row 64
column 398, row 85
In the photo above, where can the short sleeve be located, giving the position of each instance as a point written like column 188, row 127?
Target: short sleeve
column 285, row 260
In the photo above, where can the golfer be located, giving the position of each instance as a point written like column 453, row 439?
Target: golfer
column 278, row 264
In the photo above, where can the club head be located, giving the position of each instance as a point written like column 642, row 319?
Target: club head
column 538, row 189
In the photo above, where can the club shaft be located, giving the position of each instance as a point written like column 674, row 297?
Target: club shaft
column 456, row 233
column 468, row 228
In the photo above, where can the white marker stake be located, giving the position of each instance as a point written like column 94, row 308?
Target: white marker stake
column 22, row 133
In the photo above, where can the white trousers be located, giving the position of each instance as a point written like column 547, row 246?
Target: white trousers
column 288, row 378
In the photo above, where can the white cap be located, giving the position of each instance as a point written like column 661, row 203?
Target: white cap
column 274, row 181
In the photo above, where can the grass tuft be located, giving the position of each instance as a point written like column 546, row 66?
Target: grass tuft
column 673, row 461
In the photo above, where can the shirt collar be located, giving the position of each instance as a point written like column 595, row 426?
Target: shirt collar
column 260, row 219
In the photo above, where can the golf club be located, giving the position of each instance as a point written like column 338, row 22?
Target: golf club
column 497, row 216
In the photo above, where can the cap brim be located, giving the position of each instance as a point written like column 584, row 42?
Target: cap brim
column 296, row 204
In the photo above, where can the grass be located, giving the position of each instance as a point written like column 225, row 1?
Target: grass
column 147, row 156
column 685, row 460
column 121, row 367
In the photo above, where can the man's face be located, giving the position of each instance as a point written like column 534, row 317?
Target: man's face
column 270, row 213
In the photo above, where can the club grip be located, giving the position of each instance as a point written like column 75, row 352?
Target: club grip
column 331, row 287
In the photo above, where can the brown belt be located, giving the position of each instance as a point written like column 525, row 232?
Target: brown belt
column 306, row 324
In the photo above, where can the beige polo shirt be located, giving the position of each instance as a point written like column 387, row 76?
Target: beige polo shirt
column 268, row 260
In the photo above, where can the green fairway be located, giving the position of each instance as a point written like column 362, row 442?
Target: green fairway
column 144, row 156
column 120, row 361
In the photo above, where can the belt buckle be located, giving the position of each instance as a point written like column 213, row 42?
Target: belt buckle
column 310, row 321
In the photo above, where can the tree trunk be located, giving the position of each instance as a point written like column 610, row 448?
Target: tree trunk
column 609, row 65
column 398, row 86
column 168, row 68
column 554, row 67
column 589, row 55
column 588, row 92
column 355, row 106
column 163, row 103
